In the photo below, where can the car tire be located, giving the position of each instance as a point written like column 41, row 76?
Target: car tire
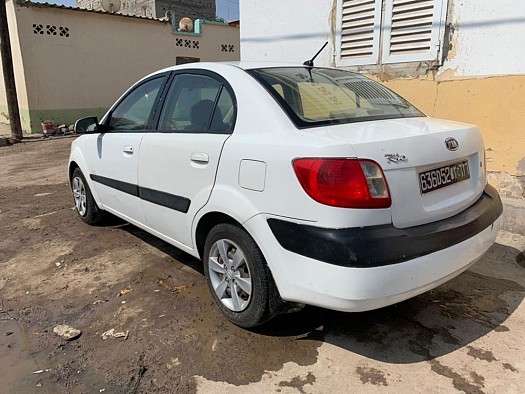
column 85, row 205
column 241, row 286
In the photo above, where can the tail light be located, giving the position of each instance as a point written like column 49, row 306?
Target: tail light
column 345, row 183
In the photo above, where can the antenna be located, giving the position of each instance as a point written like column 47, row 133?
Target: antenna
column 110, row 6
column 310, row 63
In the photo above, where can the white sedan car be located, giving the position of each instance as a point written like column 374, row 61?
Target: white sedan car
column 293, row 184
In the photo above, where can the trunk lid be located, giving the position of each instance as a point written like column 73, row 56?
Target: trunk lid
column 417, row 146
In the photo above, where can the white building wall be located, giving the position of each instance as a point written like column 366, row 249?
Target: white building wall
column 286, row 30
column 489, row 38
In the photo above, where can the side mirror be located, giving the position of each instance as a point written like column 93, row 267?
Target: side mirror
column 87, row 125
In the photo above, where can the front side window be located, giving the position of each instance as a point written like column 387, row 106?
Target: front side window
column 134, row 111
column 197, row 103
column 321, row 96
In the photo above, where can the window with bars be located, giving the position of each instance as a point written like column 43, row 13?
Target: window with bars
column 372, row 32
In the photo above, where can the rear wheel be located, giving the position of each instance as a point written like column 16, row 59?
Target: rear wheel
column 84, row 203
column 237, row 276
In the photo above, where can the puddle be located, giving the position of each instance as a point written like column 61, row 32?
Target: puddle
column 18, row 364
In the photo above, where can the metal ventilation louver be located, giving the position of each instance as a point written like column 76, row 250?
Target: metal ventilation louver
column 411, row 26
column 412, row 30
column 360, row 25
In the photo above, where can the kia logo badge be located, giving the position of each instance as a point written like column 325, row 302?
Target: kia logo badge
column 452, row 143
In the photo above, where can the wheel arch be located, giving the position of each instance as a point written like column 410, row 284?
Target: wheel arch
column 276, row 305
column 77, row 160
column 206, row 223
column 73, row 165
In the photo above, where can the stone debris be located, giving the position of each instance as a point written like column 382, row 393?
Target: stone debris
column 174, row 362
column 112, row 334
column 67, row 332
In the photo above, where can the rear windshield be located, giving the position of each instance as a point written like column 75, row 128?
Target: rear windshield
column 323, row 96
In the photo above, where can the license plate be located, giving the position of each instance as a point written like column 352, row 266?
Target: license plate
column 440, row 177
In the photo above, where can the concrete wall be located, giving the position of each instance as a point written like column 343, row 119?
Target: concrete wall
column 481, row 79
column 94, row 57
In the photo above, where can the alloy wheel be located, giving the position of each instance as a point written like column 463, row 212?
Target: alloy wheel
column 230, row 275
column 79, row 193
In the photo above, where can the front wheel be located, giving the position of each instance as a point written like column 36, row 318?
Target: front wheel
column 84, row 203
column 237, row 276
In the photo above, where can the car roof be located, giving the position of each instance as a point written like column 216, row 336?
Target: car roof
column 218, row 65
column 253, row 65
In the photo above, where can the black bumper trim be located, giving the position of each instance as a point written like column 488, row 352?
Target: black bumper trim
column 377, row 246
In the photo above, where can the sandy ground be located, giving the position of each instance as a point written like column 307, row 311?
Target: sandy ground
column 466, row 336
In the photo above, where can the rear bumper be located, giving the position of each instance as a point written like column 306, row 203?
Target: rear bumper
column 376, row 246
column 311, row 281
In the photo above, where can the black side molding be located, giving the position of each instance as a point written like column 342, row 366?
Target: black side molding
column 382, row 245
column 172, row 201
column 125, row 187
column 178, row 203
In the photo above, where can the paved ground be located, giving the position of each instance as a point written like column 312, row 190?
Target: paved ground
column 466, row 336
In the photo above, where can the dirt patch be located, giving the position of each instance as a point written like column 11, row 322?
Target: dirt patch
column 299, row 382
column 459, row 381
column 54, row 269
column 371, row 375
column 481, row 354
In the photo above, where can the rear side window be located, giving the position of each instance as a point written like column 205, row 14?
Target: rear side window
column 321, row 96
column 197, row 103
column 134, row 111
column 224, row 114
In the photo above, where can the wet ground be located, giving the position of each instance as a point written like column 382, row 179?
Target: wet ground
column 465, row 336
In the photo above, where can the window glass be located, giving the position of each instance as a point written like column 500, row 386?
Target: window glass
column 134, row 111
column 189, row 103
column 320, row 96
column 279, row 89
column 224, row 113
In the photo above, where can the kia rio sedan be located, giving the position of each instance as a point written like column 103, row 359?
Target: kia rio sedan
column 293, row 184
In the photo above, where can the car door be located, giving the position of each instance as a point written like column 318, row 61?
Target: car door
column 178, row 163
column 115, row 164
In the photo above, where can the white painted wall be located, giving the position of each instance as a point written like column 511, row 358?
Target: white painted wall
column 489, row 38
column 286, row 30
